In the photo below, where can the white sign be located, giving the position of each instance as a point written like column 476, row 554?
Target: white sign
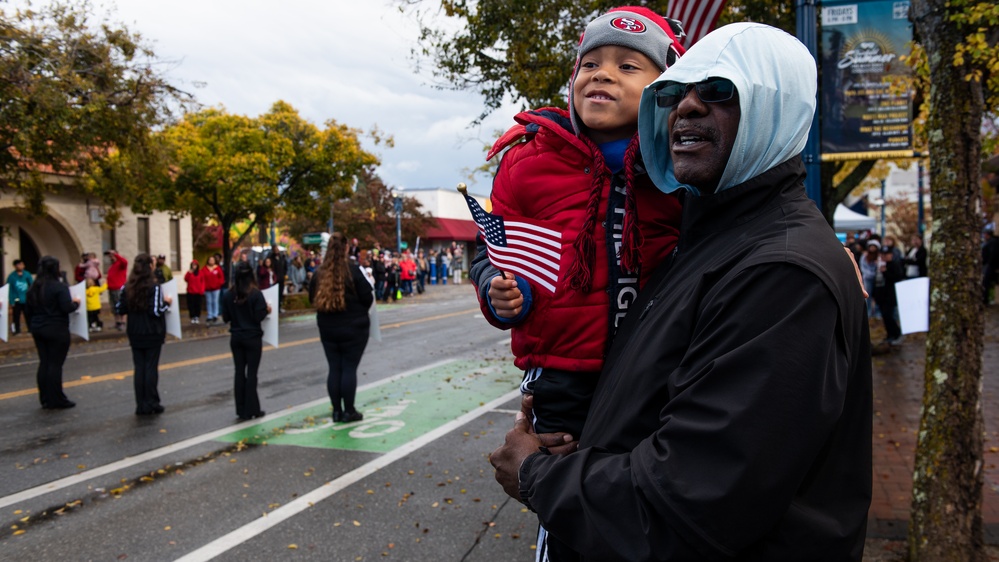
column 914, row 304
column 4, row 319
column 169, row 289
column 78, row 319
column 839, row 15
column 270, row 324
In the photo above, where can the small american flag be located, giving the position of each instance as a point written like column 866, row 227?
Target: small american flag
column 697, row 16
column 519, row 245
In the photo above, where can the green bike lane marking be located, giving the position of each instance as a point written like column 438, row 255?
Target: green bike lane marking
column 394, row 413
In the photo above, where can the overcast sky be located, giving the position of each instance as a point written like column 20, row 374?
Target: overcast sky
column 331, row 59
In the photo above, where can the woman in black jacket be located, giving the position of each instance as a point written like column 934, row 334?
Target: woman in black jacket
column 244, row 307
column 342, row 297
column 49, row 305
column 145, row 305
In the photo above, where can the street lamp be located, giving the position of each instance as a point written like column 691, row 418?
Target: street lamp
column 397, row 195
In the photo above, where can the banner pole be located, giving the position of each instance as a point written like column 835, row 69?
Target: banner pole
column 807, row 32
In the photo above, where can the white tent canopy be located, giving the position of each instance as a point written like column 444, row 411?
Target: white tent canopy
column 844, row 219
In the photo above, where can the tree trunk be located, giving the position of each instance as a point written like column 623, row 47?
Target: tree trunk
column 946, row 518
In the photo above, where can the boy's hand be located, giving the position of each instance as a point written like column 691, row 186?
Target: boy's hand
column 505, row 297
column 856, row 268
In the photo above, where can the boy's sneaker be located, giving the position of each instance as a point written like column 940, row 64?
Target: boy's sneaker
column 897, row 341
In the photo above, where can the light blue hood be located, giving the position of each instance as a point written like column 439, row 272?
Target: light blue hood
column 776, row 79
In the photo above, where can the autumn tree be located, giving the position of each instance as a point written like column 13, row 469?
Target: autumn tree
column 231, row 168
column 74, row 92
column 959, row 41
column 367, row 214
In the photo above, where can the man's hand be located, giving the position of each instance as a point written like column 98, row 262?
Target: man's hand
column 505, row 297
column 521, row 442
column 556, row 443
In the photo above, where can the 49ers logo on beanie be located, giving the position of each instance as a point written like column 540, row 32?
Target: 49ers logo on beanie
column 630, row 25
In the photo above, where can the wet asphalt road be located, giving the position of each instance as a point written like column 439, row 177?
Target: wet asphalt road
column 411, row 482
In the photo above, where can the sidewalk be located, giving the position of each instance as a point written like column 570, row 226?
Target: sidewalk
column 898, row 391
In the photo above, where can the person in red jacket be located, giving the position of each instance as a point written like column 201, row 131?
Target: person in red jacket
column 195, row 280
column 214, row 278
column 407, row 274
column 580, row 173
column 117, row 275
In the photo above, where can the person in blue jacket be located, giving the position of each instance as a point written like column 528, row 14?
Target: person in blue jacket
column 20, row 281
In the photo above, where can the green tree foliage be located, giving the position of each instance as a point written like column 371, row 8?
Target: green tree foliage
column 230, row 168
column 521, row 49
column 72, row 94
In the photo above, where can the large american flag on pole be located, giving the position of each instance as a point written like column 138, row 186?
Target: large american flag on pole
column 519, row 245
column 697, row 16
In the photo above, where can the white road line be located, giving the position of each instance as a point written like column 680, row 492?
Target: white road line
column 180, row 445
column 273, row 518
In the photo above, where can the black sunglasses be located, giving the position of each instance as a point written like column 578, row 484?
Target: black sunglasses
column 712, row 90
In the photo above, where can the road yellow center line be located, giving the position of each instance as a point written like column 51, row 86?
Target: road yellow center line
column 121, row 375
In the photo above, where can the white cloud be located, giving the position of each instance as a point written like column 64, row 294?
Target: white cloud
column 346, row 60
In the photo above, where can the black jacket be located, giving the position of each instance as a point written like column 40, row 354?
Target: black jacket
column 733, row 416
column 52, row 312
column 145, row 328
column 244, row 318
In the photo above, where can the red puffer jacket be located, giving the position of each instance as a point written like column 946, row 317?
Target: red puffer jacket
column 548, row 175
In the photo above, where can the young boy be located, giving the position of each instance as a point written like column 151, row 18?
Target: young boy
column 94, row 290
column 579, row 172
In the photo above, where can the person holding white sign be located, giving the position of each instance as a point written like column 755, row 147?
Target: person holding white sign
column 146, row 306
column 49, row 306
column 244, row 308
column 342, row 296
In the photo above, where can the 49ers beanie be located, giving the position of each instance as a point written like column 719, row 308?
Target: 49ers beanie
column 633, row 27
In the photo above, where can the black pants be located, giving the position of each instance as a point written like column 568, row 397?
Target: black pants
column 94, row 319
column 53, row 346
column 16, row 316
column 887, row 306
column 146, row 361
column 246, row 355
column 280, row 295
column 194, row 305
column 561, row 402
column 343, row 356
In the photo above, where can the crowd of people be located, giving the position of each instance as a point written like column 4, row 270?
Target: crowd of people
column 342, row 287
column 882, row 265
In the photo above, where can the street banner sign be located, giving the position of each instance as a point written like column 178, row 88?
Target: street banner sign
column 78, row 319
column 867, row 94
column 270, row 324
